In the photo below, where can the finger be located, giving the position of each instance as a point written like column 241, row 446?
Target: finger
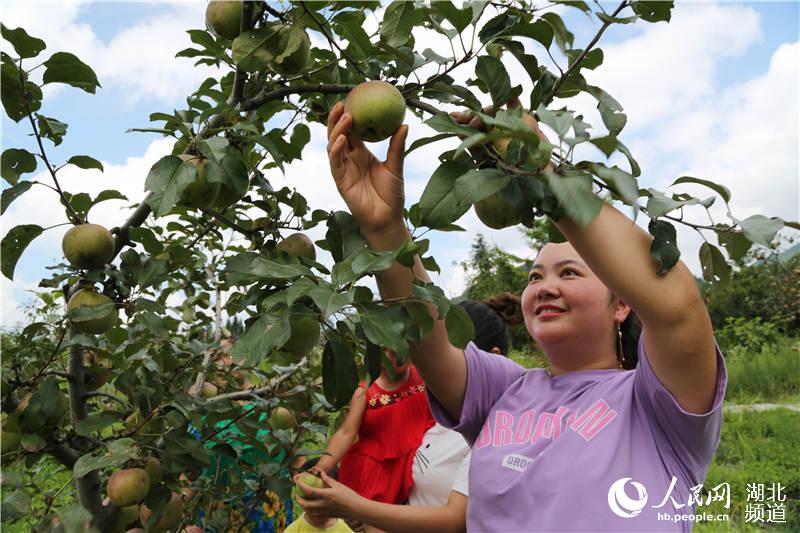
column 333, row 116
column 329, row 481
column 342, row 127
column 311, row 492
column 336, row 157
column 512, row 102
column 397, row 148
column 476, row 123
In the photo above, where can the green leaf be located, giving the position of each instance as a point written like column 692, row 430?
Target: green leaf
column 63, row 67
column 575, row 197
column 249, row 48
column 653, row 10
column 635, row 170
column 439, row 204
column 117, row 453
column 715, row 268
column 398, row 21
column 610, row 110
column 167, row 179
column 330, row 300
column 493, row 74
column 232, row 173
column 15, row 91
column 723, row 191
column 459, row 18
column 477, row 184
column 13, row 244
column 664, row 248
column 15, row 162
column 620, row 181
column 148, row 239
column 15, row 505
column 564, row 38
column 85, row 313
column 95, row 422
column 339, row 373
column 659, row 204
column 266, row 333
column 560, row 121
column 760, row 229
column 498, row 26
column 384, row 326
column 350, row 25
column 460, row 329
column 24, row 45
column 444, row 123
column 372, row 358
column 12, row 193
column 85, row 162
column 52, row 129
column 735, row 243
column 343, row 235
column 426, row 140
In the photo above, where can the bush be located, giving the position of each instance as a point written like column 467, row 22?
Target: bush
column 765, row 374
column 747, row 333
column 755, row 447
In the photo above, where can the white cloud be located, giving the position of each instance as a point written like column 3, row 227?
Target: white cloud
column 40, row 206
column 139, row 61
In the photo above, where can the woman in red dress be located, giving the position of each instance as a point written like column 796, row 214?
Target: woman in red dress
column 389, row 419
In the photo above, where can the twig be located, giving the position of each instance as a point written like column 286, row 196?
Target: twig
column 225, row 220
column 333, row 42
column 583, row 54
column 75, row 217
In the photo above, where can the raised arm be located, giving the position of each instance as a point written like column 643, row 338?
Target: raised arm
column 373, row 191
column 346, row 434
column 677, row 330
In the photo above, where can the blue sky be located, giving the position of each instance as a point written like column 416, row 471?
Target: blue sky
column 713, row 94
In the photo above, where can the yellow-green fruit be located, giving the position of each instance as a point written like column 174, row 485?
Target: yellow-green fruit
column 128, row 487
column 312, row 481
column 153, row 468
column 89, row 297
column 496, row 212
column 305, row 333
column 377, row 108
column 282, row 418
column 296, row 61
column 88, row 246
column 199, row 193
column 173, row 511
column 125, row 516
column 223, row 18
column 297, row 245
column 9, row 442
column 209, row 390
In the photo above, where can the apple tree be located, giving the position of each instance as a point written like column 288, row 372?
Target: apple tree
column 123, row 382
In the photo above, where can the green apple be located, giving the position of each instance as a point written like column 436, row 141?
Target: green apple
column 377, row 108
column 223, row 17
column 173, row 511
column 496, row 212
column 282, row 418
column 128, row 487
column 92, row 298
column 199, row 193
column 312, row 481
column 88, row 246
column 298, row 245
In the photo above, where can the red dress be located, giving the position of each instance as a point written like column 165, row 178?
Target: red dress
column 378, row 465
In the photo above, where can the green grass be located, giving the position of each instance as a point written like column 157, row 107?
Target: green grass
column 756, row 447
column 765, row 376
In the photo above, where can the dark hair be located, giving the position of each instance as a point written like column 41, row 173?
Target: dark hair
column 490, row 317
column 631, row 330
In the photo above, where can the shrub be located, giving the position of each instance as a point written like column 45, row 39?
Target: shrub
column 765, row 374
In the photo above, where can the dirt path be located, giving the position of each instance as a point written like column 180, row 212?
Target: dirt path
column 738, row 408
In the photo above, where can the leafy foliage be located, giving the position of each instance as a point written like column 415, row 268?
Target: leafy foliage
column 127, row 390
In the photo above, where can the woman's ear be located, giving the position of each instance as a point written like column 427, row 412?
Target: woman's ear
column 621, row 311
column 496, row 350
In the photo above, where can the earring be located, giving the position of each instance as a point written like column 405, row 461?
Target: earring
column 621, row 352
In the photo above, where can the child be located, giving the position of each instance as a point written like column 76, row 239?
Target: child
column 389, row 418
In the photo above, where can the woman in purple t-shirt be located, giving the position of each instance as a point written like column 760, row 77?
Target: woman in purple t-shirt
column 586, row 445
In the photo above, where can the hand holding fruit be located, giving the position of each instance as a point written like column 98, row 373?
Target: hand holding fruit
column 372, row 190
column 324, row 496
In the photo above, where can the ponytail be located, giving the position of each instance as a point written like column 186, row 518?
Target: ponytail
column 631, row 330
column 490, row 317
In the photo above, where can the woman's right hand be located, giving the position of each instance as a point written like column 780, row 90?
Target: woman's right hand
column 372, row 190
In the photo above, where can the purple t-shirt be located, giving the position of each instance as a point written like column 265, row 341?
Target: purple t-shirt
column 593, row 450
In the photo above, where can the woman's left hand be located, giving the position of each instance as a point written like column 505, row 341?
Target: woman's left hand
column 335, row 500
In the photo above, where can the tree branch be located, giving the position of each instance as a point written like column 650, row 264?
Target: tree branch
column 580, row 58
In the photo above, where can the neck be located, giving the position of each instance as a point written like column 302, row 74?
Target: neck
column 318, row 522
column 399, row 379
column 571, row 357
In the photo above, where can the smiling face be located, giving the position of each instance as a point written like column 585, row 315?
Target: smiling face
column 568, row 311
